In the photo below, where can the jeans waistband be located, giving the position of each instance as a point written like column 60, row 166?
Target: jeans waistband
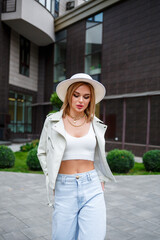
column 77, row 176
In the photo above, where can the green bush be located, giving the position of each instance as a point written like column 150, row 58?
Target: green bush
column 151, row 160
column 7, row 158
column 28, row 146
column 56, row 102
column 32, row 160
column 120, row 161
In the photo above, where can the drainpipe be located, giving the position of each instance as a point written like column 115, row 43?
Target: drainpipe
column 148, row 123
column 104, row 112
column 124, row 123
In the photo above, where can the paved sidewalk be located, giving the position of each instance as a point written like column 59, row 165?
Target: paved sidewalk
column 133, row 208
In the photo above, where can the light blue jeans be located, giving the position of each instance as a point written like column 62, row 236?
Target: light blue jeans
column 79, row 208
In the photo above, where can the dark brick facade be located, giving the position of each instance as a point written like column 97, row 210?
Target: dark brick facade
column 130, row 64
column 114, row 119
column 75, row 48
column 45, row 86
column 136, row 149
column 4, row 65
column 155, row 121
column 4, row 77
column 131, row 45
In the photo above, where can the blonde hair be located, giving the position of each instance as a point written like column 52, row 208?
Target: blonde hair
column 90, row 110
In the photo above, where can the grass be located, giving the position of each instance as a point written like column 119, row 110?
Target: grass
column 21, row 166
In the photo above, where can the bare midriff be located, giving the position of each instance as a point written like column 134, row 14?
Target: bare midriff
column 76, row 166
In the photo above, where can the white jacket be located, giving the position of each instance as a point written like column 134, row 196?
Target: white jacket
column 52, row 146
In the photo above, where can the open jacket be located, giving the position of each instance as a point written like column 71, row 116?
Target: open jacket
column 52, row 146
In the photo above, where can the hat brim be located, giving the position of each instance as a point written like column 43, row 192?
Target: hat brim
column 99, row 89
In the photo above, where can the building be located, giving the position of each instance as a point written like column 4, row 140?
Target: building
column 115, row 41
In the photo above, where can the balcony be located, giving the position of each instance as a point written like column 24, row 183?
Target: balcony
column 30, row 19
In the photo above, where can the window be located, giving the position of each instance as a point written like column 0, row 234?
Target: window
column 42, row 2
column 24, row 56
column 51, row 5
column 60, row 56
column 20, row 111
column 56, row 8
column 93, row 45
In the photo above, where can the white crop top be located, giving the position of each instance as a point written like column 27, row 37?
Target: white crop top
column 80, row 147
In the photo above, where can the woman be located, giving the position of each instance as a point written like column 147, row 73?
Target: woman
column 72, row 155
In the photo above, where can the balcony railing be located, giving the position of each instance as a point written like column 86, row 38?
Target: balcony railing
column 8, row 6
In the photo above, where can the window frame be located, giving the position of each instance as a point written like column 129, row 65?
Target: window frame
column 24, row 50
column 90, row 19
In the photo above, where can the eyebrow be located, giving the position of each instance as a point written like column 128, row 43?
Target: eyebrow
column 84, row 94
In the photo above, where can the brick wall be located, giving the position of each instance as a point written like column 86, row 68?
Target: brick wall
column 131, row 44
column 4, row 65
column 45, row 86
column 136, row 149
column 75, row 48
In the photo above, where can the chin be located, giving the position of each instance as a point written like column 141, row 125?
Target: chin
column 80, row 110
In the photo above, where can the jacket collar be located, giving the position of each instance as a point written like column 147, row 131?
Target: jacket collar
column 58, row 115
column 55, row 116
column 98, row 125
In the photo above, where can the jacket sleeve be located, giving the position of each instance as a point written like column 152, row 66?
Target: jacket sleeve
column 102, row 178
column 42, row 148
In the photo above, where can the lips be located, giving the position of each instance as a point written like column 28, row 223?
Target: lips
column 79, row 106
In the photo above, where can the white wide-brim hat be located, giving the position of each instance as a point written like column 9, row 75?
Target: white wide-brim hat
column 99, row 89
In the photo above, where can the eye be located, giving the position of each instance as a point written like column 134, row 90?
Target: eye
column 86, row 97
column 75, row 95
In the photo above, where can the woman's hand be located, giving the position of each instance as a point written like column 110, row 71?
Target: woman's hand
column 102, row 184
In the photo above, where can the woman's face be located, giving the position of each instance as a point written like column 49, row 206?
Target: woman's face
column 80, row 99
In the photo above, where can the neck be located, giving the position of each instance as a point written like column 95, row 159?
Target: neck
column 76, row 114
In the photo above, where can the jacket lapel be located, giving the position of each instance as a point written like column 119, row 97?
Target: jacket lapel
column 57, row 121
column 100, row 130
column 59, row 127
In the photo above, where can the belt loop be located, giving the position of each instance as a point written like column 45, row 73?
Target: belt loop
column 89, row 176
column 63, row 180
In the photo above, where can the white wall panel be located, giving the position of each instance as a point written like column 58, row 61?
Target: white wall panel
column 18, row 79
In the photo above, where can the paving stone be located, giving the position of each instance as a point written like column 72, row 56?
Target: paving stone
column 148, row 226
column 145, row 213
column 36, row 221
column 47, row 237
column 117, row 235
column 11, row 224
column 145, row 234
column 1, row 231
column 133, row 208
column 36, row 232
column 5, row 215
column 123, row 225
column 41, row 238
column 154, row 220
column 157, row 232
column 15, row 236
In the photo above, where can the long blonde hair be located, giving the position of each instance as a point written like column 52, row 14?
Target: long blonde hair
column 90, row 110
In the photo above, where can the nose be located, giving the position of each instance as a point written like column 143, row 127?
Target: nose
column 81, row 99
